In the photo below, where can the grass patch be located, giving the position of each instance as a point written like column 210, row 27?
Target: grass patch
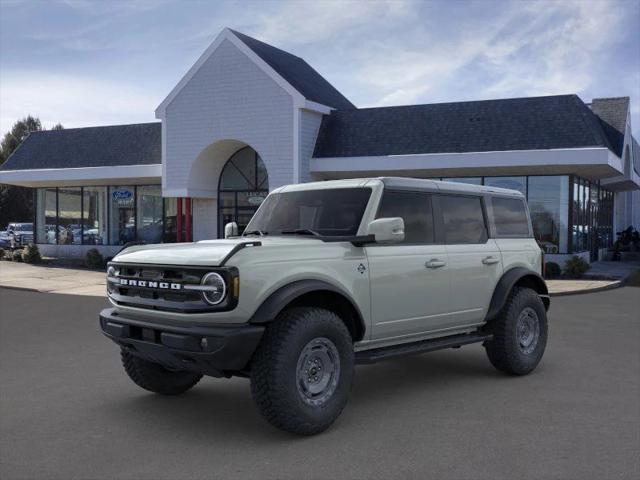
column 633, row 280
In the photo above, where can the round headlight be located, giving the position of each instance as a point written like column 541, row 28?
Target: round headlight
column 111, row 272
column 216, row 290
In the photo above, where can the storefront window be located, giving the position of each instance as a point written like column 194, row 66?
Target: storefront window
column 548, row 200
column 513, row 183
column 149, row 214
column 94, row 215
column 69, row 216
column 122, row 219
column 170, row 220
column 46, row 215
column 469, row 180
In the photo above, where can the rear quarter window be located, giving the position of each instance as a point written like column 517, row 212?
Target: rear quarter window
column 510, row 217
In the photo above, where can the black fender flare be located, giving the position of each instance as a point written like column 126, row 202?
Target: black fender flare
column 278, row 300
column 506, row 284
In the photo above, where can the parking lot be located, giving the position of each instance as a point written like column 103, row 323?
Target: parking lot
column 67, row 410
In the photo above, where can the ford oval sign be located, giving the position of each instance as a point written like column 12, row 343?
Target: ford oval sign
column 122, row 194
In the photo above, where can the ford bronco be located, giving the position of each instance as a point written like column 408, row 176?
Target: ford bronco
column 327, row 275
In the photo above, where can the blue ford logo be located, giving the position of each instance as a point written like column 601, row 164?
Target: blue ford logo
column 122, row 194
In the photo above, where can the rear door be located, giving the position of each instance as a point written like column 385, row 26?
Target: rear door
column 410, row 281
column 474, row 258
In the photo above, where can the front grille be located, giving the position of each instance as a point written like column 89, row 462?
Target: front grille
column 166, row 299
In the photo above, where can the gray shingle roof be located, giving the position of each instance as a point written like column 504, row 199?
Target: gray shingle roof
column 533, row 123
column 612, row 113
column 298, row 73
column 137, row 144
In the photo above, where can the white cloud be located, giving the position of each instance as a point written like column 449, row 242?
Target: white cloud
column 72, row 100
column 306, row 22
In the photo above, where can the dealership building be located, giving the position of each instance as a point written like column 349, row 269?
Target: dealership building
column 248, row 118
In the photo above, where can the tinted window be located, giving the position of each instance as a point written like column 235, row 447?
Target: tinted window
column 463, row 219
column 329, row 212
column 510, row 217
column 415, row 209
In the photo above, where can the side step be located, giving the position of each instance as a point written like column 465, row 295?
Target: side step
column 423, row 346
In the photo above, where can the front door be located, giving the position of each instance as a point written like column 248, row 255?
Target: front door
column 243, row 186
column 409, row 282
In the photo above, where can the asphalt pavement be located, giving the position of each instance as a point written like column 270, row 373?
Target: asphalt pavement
column 68, row 411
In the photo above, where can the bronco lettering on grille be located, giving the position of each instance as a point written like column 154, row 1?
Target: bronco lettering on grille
column 149, row 284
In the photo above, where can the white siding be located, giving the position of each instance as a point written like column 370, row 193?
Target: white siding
column 205, row 215
column 228, row 98
column 309, row 126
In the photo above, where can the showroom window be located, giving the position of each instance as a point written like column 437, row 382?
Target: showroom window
column 70, row 216
column 94, row 215
column 46, row 215
column 549, row 206
column 149, row 214
column 122, row 217
column 103, row 215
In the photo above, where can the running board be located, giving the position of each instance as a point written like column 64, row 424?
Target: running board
column 376, row 354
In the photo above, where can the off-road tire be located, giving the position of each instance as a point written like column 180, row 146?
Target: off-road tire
column 275, row 365
column 504, row 350
column 155, row 378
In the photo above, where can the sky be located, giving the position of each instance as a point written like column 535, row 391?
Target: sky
column 85, row 63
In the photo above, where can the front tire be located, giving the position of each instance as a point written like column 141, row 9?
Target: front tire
column 301, row 373
column 155, row 378
column 519, row 333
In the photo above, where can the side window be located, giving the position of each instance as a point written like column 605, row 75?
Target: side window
column 415, row 210
column 463, row 219
column 510, row 217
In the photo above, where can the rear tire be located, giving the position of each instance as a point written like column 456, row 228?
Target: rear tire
column 519, row 333
column 155, row 378
column 302, row 371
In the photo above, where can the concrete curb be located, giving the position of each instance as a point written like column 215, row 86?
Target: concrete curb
column 611, row 286
column 26, row 289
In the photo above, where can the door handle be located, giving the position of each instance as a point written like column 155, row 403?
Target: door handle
column 490, row 260
column 435, row 263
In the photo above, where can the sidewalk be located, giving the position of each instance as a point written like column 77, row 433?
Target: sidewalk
column 75, row 281
column 70, row 281
column 559, row 288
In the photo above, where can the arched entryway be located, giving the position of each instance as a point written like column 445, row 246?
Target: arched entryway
column 244, row 184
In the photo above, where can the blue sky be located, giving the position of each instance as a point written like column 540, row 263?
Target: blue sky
column 82, row 62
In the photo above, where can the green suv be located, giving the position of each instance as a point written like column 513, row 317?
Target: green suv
column 328, row 275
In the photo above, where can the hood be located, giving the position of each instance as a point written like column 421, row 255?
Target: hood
column 209, row 253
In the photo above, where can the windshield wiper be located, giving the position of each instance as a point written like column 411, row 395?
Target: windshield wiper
column 301, row 231
column 255, row 232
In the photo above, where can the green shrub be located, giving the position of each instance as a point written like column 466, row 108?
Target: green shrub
column 2, row 253
column 94, row 259
column 576, row 267
column 31, row 254
column 16, row 256
column 552, row 270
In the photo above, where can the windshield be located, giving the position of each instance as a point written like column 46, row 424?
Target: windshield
column 22, row 227
column 327, row 212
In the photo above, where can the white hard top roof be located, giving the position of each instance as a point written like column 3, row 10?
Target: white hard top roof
column 403, row 183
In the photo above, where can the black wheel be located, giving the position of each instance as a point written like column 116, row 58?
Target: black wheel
column 519, row 333
column 301, row 373
column 155, row 378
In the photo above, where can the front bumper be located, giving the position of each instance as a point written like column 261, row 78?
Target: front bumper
column 216, row 351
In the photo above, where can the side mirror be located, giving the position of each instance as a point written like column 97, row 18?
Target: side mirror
column 231, row 230
column 387, row 230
